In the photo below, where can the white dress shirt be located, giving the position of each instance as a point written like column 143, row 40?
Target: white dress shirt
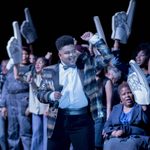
column 73, row 95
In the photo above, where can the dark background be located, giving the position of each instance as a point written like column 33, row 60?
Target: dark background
column 54, row 18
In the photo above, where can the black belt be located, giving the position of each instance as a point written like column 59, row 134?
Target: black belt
column 74, row 111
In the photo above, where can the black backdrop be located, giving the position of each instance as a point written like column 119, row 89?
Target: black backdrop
column 54, row 18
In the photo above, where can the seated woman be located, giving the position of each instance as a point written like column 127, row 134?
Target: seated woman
column 128, row 124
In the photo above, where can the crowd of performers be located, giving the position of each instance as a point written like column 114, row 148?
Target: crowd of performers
column 89, row 100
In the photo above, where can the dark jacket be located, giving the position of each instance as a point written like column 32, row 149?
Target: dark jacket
column 138, row 125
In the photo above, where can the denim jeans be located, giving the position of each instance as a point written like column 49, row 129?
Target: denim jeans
column 3, row 133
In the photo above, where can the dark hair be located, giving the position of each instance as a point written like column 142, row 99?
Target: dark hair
column 43, row 59
column 63, row 41
column 26, row 48
column 122, row 85
column 145, row 47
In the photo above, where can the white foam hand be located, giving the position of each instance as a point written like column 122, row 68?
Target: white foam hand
column 138, row 84
column 28, row 30
column 122, row 23
column 14, row 45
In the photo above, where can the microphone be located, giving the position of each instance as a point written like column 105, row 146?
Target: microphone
column 56, row 102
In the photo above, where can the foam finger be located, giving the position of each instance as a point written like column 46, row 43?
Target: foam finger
column 99, row 28
column 28, row 15
column 16, row 30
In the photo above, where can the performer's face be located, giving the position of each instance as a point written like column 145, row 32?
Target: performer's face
column 126, row 97
column 3, row 66
column 68, row 54
column 141, row 58
column 25, row 57
column 39, row 65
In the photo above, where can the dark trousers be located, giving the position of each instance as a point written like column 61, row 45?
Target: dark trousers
column 75, row 129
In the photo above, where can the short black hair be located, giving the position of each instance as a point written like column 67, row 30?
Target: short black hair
column 63, row 41
column 27, row 49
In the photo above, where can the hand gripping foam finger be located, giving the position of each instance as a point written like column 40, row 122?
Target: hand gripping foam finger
column 138, row 84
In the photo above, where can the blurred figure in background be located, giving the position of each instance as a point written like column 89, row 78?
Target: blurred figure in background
column 3, row 117
column 15, row 100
